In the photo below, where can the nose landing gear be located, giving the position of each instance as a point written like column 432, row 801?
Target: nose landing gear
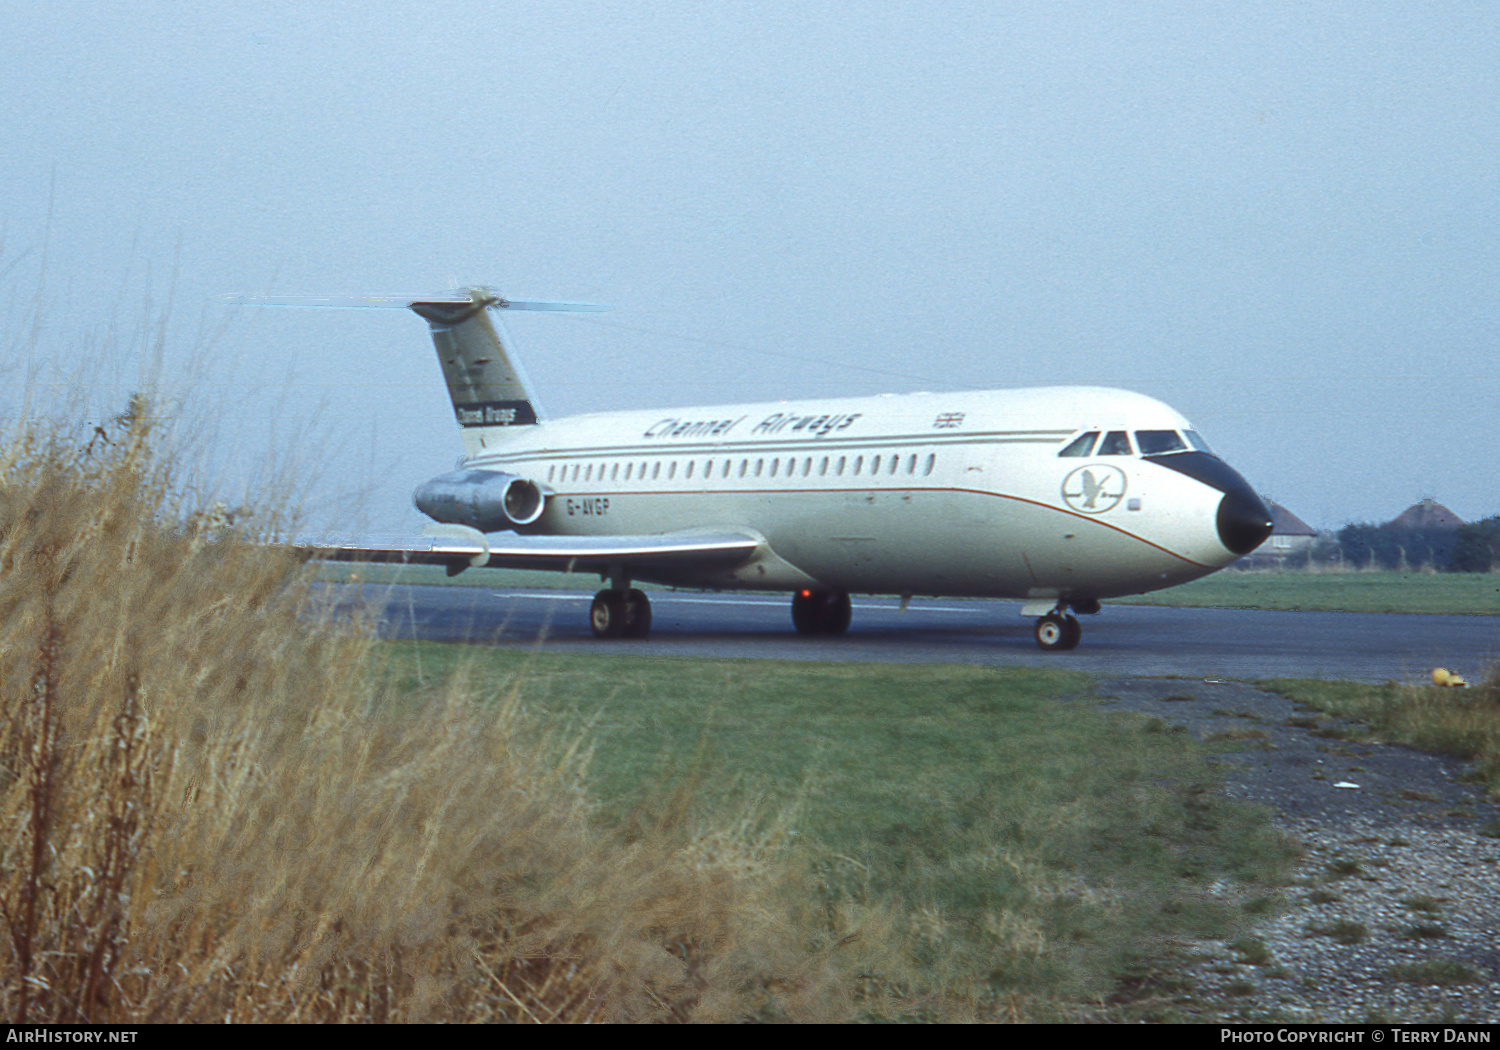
column 1058, row 631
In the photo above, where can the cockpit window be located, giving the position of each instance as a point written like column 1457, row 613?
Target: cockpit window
column 1156, row 442
column 1082, row 445
column 1116, row 443
column 1197, row 442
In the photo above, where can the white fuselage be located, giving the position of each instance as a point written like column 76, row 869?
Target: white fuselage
column 941, row 494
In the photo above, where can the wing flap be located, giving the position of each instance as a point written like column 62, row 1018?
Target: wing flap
column 507, row 550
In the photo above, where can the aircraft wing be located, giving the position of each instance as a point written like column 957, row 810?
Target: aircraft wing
column 458, row 548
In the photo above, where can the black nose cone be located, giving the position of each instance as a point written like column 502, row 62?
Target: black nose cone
column 1244, row 521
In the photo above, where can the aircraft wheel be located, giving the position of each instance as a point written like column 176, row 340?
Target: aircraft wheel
column 1074, row 632
column 607, row 615
column 637, row 615
column 837, row 612
column 1057, row 633
column 821, row 612
column 805, row 612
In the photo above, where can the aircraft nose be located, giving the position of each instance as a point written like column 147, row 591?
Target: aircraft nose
column 1244, row 520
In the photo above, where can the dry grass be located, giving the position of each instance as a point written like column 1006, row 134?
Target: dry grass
column 214, row 810
column 1464, row 723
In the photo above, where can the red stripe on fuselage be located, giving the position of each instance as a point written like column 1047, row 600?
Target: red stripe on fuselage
column 973, row 492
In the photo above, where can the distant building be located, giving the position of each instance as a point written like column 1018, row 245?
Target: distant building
column 1290, row 535
column 1428, row 514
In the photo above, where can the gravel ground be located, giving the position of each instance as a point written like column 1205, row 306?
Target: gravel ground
column 1393, row 914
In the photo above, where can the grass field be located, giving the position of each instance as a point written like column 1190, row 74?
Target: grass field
column 1372, row 592
column 1375, row 592
column 1030, row 856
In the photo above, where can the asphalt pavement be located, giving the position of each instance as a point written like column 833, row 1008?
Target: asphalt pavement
column 1122, row 640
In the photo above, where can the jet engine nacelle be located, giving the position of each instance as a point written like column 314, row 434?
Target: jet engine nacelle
column 486, row 500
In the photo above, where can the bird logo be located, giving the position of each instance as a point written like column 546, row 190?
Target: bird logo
column 1094, row 489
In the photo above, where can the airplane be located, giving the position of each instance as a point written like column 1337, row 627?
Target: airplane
column 1054, row 496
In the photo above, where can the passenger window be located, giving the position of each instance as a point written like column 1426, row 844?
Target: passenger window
column 671, row 470
column 725, row 472
column 691, row 465
column 823, row 468
column 895, row 464
column 859, row 464
column 840, row 470
column 1082, row 445
column 911, row 464
column 576, row 469
column 1115, row 443
column 614, row 472
column 656, row 470
column 744, row 465
column 874, row 464
column 775, row 463
column 1158, row 442
column 551, row 470
column 931, row 459
column 759, row 465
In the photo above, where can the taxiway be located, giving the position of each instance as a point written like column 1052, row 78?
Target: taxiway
column 1122, row 640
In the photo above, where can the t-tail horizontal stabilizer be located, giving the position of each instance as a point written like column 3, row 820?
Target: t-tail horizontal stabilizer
column 485, row 382
column 493, row 300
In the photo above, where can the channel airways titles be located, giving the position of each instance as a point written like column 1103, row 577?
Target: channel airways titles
column 817, row 425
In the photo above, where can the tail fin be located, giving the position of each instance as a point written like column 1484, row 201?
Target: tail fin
column 486, row 385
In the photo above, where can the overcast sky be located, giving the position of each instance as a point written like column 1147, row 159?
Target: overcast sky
column 1280, row 219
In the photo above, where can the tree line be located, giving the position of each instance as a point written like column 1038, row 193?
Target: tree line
column 1468, row 548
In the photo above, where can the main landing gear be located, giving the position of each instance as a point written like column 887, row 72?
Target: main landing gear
column 618, row 613
column 821, row 612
